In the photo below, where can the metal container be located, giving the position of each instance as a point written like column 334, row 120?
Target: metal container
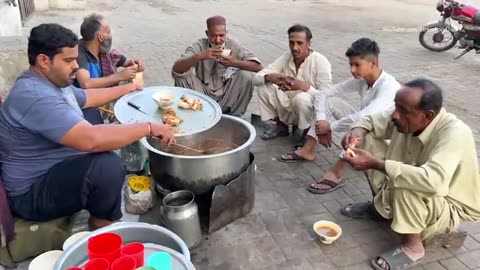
column 180, row 215
column 200, row 174
column 76, row 254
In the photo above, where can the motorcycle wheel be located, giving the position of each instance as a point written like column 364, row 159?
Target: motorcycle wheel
column 438, row 26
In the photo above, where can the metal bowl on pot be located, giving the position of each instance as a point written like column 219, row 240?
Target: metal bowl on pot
column 227, row 155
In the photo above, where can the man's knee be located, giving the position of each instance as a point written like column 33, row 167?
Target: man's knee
column 107, row 170
column 303, row 101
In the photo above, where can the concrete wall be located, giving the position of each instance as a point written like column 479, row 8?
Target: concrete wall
column 41, row 5
column 67, row 4
column 12, row 63
column 10, row 22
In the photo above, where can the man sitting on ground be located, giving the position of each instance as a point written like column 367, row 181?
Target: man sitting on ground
column 426, row 180
column 98, row 62
column 376, row 89
column 54, row 162
column 286, row 88
column 219, row 67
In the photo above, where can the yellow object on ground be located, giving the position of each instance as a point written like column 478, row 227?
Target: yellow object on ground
column 139, row 183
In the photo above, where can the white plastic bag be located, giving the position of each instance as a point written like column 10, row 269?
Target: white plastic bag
column 138, row 203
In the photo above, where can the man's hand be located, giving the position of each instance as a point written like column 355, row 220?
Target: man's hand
column 322, row 127
column 275, row 78
column 292, row 84
column 227, row 61
column 363, row 160
column 210, row 54
column 128, row 73
column 325, row 140
column 353, row 138
column 140, row 65
column 164, row 132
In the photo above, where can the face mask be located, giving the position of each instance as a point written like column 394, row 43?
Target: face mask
column 106, row 45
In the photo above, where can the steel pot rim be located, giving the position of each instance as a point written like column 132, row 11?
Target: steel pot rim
column 178, row 193
column 249, row 142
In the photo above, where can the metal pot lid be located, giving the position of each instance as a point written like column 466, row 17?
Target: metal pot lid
column 193, row 121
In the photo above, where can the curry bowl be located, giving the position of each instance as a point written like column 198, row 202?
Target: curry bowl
column 327, row 231
column 163, row 99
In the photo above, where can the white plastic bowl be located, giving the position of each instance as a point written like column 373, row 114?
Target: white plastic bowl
column 45, row 261
column 74, row 238
column 325, row 238
column 163, row 99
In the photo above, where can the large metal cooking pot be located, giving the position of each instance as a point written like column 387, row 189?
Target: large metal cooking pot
column 200, row 174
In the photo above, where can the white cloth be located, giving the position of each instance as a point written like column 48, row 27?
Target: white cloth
column 293, row 107
column 380, row 97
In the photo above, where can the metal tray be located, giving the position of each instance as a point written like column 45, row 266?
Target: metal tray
column 155, row 237
column 193, row 121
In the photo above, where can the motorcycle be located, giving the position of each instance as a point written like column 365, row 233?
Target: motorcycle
column 468, row 36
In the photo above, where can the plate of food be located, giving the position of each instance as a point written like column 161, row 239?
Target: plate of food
column 187, row 111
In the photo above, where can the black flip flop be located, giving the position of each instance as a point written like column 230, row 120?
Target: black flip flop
column 365, row 210
column 332, row 184
column 295, row 158
column 274, row 132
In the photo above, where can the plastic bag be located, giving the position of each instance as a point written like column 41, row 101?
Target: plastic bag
column 138, row 203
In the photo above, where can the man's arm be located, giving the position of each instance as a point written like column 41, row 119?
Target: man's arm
column 192, row 55
column 320, row 104
column 435, row 175
column 379, row 124
column 382, row 102
column 101, row 96
column 323, row 74
column 248, row 65
column 276, row 67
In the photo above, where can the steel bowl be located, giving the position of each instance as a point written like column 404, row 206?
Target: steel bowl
column 200, row 174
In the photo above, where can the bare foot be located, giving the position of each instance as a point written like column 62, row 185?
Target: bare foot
column 301, row 153
column 414, row 255
column 97, row 223
column 329, row 176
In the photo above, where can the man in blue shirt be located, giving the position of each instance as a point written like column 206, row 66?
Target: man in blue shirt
column 53, row 162
column 98, row 63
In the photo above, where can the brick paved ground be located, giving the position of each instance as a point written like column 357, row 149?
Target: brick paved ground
column 277, row 234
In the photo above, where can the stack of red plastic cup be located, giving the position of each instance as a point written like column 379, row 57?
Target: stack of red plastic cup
column 108, row 247
column 136, row 251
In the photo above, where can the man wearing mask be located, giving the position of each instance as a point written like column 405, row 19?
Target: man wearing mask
column 53, row 162
column 98, row 63
column 219, row 67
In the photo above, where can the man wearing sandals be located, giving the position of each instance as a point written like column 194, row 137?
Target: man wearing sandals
column 286, row 88
column 426, row 180
column 376, row 89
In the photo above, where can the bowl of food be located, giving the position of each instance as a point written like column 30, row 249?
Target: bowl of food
column 163, row 99
column 327, row 231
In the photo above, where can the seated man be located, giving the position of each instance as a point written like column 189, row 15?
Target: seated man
column 376, row 89
column 426, row 180
column 286, row 88
column 54, row 162
column 98, row 63
column 226, row 77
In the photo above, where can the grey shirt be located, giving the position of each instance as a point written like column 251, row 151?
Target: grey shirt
column 33, row 119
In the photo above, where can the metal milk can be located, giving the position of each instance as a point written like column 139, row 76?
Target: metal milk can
column 180, row 215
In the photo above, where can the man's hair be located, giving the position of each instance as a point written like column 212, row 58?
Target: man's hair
column 49, row 39
column 300, row 28
column 432, row 98
column 90, row 26
column 365, row 48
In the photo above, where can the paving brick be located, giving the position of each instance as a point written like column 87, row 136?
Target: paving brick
column 470, row 259
column 453, row 264
column 338, row 259
column 433, row 266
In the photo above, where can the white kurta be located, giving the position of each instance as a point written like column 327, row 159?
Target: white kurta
column 293, row 107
